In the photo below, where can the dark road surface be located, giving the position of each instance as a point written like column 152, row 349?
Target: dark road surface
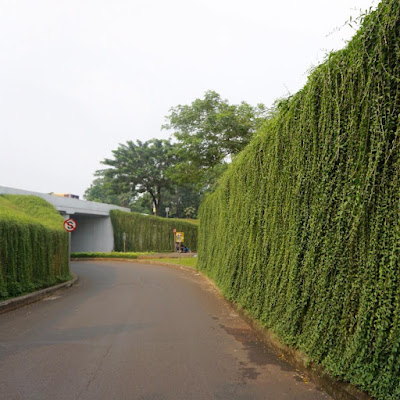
column 130, row 331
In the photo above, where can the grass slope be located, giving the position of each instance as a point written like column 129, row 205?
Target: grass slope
column 33, row 245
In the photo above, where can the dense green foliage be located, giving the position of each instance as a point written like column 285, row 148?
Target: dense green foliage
column 102, row 190
column 158, row 174
column 139, row 177
column 140, row 167
column 304, row 229
column 148, row 233
column 33, row 245
column 182, row 201
column 208, row 131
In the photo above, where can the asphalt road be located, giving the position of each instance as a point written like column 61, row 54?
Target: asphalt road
column 131, row 331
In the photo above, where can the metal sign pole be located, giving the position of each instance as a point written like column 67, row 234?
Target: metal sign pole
column 69, row 225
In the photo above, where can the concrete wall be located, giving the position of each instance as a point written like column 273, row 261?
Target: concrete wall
column 94, row 229
column 92, row 234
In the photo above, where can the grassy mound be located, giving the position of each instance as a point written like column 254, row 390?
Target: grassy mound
column 33, row 245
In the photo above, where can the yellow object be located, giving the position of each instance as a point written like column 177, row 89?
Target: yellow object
column 179, row 237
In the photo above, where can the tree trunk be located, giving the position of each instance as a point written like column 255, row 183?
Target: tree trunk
column 155, row 203
column 158, row 201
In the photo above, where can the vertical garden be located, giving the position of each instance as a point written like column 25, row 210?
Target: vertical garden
column 149, row 233
column 304, row 229
column 33, row 245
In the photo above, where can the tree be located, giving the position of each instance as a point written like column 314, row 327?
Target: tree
column 209, row 133
column 143, row 204
column 101, row 190
column 179, row 198
column 140, row 167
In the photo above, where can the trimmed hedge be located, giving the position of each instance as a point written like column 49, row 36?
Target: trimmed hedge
column 304, row 229
column 148, row 233
column 113, row 254
column 33, row 245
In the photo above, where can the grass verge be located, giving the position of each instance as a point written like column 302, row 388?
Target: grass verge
column 114, row 254
column 188, row 262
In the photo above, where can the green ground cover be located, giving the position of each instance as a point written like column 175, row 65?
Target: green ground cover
column 187, row 261
column 30, row 209
column 114, row 254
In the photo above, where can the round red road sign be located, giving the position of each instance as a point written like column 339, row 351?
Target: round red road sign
column 70, row 225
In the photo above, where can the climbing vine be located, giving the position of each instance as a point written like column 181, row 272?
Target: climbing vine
column 304, row 229
column 148, row 233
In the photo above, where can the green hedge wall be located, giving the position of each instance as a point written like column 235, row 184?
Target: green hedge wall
column 304, row 229
column 33, row 245
column 148, row 233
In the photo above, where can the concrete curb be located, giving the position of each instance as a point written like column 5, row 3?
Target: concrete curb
column 21, row 301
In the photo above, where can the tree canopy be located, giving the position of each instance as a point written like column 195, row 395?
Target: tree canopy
column 182, row 202
column 102, row 190
column 140, row 167
column 209, row 132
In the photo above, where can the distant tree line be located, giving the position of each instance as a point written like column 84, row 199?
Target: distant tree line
column 149, row 176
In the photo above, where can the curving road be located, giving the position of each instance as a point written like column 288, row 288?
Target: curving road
column 137, row 331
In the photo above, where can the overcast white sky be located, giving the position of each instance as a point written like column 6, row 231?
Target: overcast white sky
column 79, row 77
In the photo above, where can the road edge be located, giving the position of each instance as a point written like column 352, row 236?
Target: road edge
column 333, row 387
column 21, row 301
column 134, row 261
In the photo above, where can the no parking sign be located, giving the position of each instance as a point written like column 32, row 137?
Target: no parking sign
column 70, row 225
